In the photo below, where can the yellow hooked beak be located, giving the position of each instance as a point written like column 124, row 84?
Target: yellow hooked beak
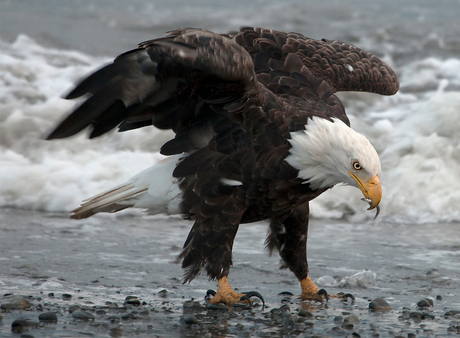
column 372, row 191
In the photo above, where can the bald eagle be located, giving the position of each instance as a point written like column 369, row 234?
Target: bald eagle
column 259, row 133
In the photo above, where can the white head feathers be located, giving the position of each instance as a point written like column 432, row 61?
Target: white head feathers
column 325, row 151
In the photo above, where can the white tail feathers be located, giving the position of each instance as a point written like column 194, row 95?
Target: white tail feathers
column 153, row 189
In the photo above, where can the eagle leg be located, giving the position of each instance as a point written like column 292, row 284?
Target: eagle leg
column 225, row 294
column 288, row 235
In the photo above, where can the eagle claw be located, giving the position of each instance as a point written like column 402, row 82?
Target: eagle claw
column 209, row 293
column 324, row 293
column 247, row 296
column 346, row 296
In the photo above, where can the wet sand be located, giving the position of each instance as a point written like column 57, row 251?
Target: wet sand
column 94, row 266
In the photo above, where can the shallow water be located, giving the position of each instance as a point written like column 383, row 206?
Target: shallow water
column 107, row 258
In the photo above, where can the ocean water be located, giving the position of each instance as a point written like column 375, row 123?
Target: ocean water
column 46, row 46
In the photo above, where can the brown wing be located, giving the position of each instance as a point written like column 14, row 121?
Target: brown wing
column 343, row 66
column 307, row 72
column 172, row 83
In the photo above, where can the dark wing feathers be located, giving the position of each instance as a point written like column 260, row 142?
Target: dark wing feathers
column 192, row 74
column 162, row 81
column 343, row 66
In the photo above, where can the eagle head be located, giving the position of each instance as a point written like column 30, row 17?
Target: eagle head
column 328, row 152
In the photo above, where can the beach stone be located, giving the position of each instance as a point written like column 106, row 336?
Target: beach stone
column 116, row 332
column 276, row 314
column 19, row 302
column 189, row 319
column 163, row 293
column 338, row 319
column 20, row 325
column 73, row 308
column 66, row 296
column 132, row 300
column 421, row 316
column 309, row 325
column 128, row 316
column 305, row 313
column 348, row 326
column 82, row 315
column 452, row 313
column 379, row 305
column 47, row 317
column 352, row 319
column 425, row 303
column 6, row 307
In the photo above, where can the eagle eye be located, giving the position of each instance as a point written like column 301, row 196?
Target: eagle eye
column 356, row 165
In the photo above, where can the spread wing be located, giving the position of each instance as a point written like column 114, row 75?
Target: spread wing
column 212, row 88
column 307, row 72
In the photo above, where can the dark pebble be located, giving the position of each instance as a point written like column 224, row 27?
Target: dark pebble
column 190, row 304
column 100, row 312
column 348, row 326
column 51, row 294
column 285, row 308
column 439, row 297
column 163, row 293
column 425, row 303
column 305, row 313
column 338, row 319
column 189, row 319
column 20, row 325
column 276, row 314
column 26, row 335
column 132, row 300
column 379, row 305
column 73, row 308
column 49, row 317
column 128, row 316
column 82, row 315
column 116, row 332
column 66, row 296
column 415, row 315
column 6, row 307
column 451, row 313
column 1, row 317
column 309, row 324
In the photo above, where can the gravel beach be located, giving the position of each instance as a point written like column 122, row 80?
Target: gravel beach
column 117, row 277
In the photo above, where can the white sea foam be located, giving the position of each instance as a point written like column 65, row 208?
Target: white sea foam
column 415, row 133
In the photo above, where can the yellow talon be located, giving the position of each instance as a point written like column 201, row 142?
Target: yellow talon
column 225, row 294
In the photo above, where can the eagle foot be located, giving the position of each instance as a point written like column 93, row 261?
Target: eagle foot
column 226, row 295
column 233, row 298
column 319, row 296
